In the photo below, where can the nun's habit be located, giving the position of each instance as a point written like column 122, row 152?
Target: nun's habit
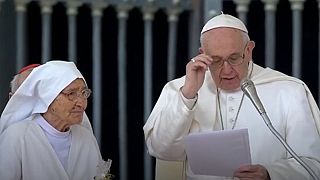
column 26, row 148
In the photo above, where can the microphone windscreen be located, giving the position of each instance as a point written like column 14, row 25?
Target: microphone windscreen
column 246, row 84
column 249, row 90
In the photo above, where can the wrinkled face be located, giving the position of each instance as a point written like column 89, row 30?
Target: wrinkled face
column 231, row 52
column 63, row 108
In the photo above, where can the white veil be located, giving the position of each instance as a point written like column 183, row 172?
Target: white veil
column 38, row 91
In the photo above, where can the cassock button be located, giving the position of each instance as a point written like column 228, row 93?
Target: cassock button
column 231, row 109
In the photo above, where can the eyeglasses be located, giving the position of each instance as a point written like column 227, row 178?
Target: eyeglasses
column 73, row 95
column 233, row 60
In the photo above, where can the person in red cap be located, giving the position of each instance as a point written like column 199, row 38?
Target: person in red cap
column 20, row 77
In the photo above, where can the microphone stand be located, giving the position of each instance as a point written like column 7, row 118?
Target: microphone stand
column 288, row 148
column 249, row 89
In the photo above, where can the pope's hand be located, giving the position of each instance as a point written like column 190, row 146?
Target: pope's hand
column 256, row 172
column 195, row 73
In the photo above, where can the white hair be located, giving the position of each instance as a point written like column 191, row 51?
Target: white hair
column 14, row 83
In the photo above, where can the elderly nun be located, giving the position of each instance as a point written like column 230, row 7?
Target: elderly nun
column 41, row 136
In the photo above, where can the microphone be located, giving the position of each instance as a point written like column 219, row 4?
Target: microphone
column 249, row 90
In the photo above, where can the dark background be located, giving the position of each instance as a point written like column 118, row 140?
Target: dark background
column 135, row 34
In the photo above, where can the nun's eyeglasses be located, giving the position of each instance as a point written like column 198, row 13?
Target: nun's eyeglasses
column 73, row 95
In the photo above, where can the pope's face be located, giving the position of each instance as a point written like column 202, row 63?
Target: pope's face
column 231, row 53
column 67, row 111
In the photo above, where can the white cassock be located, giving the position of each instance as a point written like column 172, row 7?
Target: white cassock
column 288, row 103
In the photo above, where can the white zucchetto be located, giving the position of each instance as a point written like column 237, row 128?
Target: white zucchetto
column 224, row 20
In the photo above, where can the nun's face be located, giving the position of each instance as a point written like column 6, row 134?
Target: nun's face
column 68, row 107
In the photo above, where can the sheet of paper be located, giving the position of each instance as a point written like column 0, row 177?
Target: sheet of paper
column 218, row 153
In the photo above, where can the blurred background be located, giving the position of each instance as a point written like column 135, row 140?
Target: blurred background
column 128, row 49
